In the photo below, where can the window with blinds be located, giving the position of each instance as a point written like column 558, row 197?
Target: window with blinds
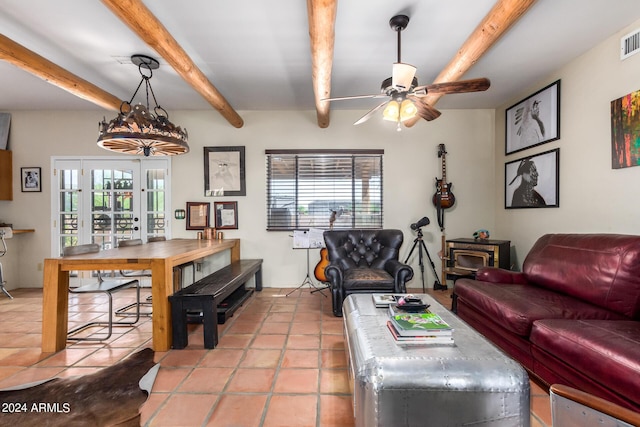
column 324, row 189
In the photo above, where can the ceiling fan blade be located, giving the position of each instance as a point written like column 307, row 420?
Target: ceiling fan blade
column 402, row 76
column 342, row 98
column 370, row 113
column 463, row 86
column 426, row 110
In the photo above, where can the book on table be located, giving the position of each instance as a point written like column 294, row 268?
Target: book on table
column 423, row 323
column 418, row 340
column 383, row 300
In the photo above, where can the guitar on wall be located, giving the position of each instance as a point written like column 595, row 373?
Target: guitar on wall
column 443, row 197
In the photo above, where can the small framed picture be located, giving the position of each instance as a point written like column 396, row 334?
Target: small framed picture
column 197, row 215
column 31, row 179
column 533, row 182
column 533, row 121
column 226, row 215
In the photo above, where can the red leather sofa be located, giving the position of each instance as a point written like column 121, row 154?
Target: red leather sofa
column 572, row 316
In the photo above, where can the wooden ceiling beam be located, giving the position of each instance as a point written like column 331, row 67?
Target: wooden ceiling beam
column 500, row 18
column 142, row 22
column 35, row 64
column 322, row 19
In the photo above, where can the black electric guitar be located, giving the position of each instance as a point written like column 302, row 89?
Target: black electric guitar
column 443, row 198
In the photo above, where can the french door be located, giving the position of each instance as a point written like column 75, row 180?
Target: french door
column 106, row 200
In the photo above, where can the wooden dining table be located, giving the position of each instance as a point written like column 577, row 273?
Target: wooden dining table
column 159, row 257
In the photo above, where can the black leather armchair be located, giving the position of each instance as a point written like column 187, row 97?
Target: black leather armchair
column 364, row 261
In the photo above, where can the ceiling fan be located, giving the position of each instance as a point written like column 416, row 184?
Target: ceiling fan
column 405, row 96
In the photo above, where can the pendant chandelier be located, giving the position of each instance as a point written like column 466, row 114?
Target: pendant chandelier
column 137, row 129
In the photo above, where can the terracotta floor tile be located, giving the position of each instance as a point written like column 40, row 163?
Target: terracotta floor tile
column 184, row 357
column 333, row 359
column 303, row 341
column 234, row 341
column 206, row 380
column 306, row 315
column 182, row 410
column 297, row 381
column 292, row 411
column 221, row 357
column 104, row 357
column 275, row 328
column 261, row 358
column 22, row 357
column 169, row 378
column 332, row 342
column 269, row 341
column 336, row 411
column 150, row 407
column 238, row 410
column 252, row 380
column 334, row 381
column 66, row 357
column 240, row 327
column 541, row 406
column 279, row 317
column 305, row 328
column 333, row 327
column 301, row 359
column 30, row 375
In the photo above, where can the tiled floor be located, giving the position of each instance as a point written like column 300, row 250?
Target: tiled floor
column 280, row 362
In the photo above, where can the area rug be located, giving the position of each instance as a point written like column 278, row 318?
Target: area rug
column 110, row 397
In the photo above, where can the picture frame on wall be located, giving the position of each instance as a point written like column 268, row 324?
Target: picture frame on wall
column 226, row 215
column 197, row 215
column 31, row 179
column 625, row 131
column 224, row 171
column 533, row 182
column 533, row 121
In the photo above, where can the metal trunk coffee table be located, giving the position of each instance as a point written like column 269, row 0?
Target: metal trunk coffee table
column 470, row 383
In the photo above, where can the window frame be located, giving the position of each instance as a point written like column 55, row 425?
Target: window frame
column 363, row 214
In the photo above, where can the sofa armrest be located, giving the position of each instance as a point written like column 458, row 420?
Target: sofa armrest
column 500, row 275
column 333, row 272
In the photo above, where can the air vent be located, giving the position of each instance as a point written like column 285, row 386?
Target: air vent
column 630, row 44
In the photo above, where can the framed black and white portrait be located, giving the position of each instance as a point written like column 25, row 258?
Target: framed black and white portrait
column 30, row 178
column 533, row 182
column 533, row 121
column 224, row 171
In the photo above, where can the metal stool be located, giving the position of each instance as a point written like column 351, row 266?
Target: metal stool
column 107, row 287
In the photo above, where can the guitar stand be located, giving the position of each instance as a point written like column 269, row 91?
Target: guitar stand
column 420, row 244
column 307, row 281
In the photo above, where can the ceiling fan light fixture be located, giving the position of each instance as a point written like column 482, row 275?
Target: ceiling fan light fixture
column 139, row 130
column 403, row 75
column 391, row 111
column 408, row 110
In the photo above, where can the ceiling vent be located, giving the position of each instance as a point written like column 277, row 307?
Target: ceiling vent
column 630, row 44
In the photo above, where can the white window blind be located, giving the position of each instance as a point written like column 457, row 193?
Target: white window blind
column 306, row 187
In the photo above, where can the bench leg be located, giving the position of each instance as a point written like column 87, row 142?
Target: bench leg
column 210, row 320
column 259, row 279
column 179, row 324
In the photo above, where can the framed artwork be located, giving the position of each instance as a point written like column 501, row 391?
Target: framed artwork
column 625, row 131
column 226, row 215
column 533, row 182
column 197, row 215
column 224, row 171
column 533, row 121
column 30, row 178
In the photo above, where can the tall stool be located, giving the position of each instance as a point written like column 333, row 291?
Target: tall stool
column 107, row 287
column 125, row 311
column 5, row 233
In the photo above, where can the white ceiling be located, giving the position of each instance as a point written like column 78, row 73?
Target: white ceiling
column 257, row 52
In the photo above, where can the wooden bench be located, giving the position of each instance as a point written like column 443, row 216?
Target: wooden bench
column 206, row 295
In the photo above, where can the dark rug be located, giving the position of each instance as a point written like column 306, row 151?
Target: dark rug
column 111, row 397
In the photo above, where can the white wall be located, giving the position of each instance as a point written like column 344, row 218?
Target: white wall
column 410, row 168
column 593, row 196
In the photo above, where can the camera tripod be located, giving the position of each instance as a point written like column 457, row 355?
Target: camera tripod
column 420, row 244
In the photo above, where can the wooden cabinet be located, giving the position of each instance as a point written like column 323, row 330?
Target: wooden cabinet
column 6, row 175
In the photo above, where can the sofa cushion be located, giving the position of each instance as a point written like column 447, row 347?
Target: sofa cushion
column 516, row 307
column 598, row 268
column 608, row 350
